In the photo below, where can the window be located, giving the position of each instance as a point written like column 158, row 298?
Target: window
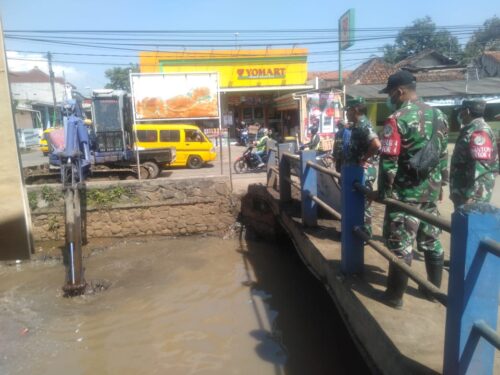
column 193, row 136
column 259, row 113
column 147, row 135
column 170, row 136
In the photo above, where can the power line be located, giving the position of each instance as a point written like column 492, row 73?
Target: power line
column 231, row 31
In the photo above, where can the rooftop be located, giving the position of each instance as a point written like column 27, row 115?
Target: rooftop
column 439, row 89
column 34, row 75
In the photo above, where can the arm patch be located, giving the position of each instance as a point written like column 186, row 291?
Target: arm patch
column 481, row 146
column 391, row 139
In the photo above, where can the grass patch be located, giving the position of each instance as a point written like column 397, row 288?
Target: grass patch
column 106, row 197
column 32, row 200
column 50, row 195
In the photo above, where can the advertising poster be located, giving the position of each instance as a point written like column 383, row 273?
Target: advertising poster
column 323, row 109
column 166, row 96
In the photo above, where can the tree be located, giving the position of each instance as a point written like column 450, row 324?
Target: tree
column 420, row 36
column 119, row 77
column 485, row 39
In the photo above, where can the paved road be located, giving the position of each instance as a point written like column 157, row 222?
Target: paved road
column 240, row 181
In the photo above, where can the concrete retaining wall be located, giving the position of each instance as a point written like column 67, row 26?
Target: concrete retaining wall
column 131, row 208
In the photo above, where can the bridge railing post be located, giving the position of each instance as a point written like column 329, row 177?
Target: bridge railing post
column 353, row 208
column 284, row 166
column 309, row 187
column 473, row 290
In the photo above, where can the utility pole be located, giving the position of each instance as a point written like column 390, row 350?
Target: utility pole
column 51, row 78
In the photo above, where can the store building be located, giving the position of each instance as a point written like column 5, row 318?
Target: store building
column 249, row 82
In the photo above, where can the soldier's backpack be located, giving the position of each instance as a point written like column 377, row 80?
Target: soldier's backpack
column 427, row 158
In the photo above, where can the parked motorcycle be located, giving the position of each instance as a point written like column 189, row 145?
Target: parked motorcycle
column 248, row 162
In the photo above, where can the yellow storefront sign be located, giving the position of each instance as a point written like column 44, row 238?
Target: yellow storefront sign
column 238, row 68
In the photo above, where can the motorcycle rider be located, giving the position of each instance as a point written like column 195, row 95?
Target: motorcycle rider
column 315, row 142
column 243, row 133
column 261, row 145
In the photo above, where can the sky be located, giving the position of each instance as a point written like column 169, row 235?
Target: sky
column 238, row 21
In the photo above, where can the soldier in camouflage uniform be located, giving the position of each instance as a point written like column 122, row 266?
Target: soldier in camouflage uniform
column 363, row 148
column 407, row 131
column 474, row 163
column 338, row 146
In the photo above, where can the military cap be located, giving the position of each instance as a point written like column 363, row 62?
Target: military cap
column 400, row 78
column 355, row 101
column 476, row 106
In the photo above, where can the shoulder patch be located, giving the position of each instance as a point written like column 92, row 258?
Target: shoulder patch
column 481, row 145
column 391, row 142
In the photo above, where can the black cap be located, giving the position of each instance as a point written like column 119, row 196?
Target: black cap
column 475, row 107
column 400, row 78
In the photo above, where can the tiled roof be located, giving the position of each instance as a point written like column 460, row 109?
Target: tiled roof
column 34, row 75
column 328, row 75
column 373, row 71
column 493, row 54
column 434, row 75
column 411, row 61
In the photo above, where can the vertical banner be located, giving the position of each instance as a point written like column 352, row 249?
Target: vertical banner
column 323, row 110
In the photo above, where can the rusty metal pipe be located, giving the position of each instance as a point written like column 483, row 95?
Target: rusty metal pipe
column 386, row 253
column 324, row 169
column 326, row 207
column 437, row 221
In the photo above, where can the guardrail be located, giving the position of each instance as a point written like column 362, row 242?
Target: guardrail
column 474, row 278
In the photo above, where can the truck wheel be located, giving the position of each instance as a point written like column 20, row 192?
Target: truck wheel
column 194, row 162
column 152, row 168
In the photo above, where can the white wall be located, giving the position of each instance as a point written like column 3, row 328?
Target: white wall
column 39, row 92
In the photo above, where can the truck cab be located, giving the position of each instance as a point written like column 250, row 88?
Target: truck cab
column 112, row 134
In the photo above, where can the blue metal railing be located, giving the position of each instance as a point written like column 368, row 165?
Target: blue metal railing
column 474, row 281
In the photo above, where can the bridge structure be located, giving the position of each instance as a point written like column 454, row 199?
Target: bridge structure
column 455, row 335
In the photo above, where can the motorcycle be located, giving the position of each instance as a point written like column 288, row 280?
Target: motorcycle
column 248, row 162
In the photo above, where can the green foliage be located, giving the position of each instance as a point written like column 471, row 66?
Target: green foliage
column 106, row 197
column 53, row 223
column 486, row 38
column 119, row 77
column 420, row 36
column 33, row 199
column 50, row 195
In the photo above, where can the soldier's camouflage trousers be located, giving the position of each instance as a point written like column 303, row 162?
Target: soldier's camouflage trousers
column 370, row 176
column 401, row 230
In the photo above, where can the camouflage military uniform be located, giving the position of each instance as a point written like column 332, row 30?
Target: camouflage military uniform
column 406, row 131
column 338, row 147
column 361, row 136
column 474, row 164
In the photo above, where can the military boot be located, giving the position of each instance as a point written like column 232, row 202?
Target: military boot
column 397, row 281
column 434, row 267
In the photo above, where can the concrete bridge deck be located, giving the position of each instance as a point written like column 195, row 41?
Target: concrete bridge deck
column 407, row 341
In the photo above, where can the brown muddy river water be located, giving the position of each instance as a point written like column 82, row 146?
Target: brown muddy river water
column 197, row 305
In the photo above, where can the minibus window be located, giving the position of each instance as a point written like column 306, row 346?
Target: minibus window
column 170, row 136
column 194, row 136
column 147, row 136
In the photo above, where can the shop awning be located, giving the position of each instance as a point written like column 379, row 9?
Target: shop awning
column 286, row 102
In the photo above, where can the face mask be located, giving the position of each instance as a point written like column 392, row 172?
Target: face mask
column 459, row 119
column 390, row 105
